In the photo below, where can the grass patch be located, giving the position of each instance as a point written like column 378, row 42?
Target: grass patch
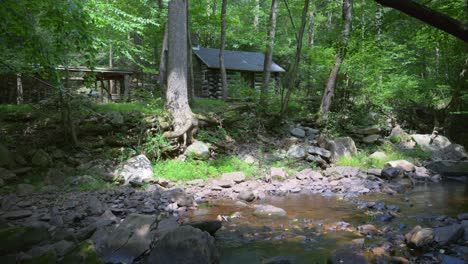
column 153, row 107
column 208, row 105
column 363, row 161
column 176, row 170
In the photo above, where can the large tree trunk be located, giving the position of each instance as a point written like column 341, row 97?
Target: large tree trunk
column 297, row 59
column 269, row 52
column 429, row 16
column 176, row 94
column 330, row 88
column 191, row 77
column 163, row 65
column 224, row 84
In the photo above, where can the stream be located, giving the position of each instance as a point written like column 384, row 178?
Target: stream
column 316, row 225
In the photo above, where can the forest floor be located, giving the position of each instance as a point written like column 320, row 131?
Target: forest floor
column 263, row 185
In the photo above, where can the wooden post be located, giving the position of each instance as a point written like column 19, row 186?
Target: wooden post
column 126, row 84
column 19, row 89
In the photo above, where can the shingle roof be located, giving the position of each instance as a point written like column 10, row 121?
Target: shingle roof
column 235, row 60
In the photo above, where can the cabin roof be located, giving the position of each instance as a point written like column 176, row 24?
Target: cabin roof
column 235, row 60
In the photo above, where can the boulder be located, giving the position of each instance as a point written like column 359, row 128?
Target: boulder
column 266, row 210
column 449, row 168
column 185, row 245
column 319, row 151
column 343, row 146
column 419, row 237
column 317, row 160
column 129, row 240
column 137, row 169
column 378, row 155
column 448, row 234
column 402, row 164
column 429, row 144
column 95, row 207
column 452, row 152
column 210, row 226
column 298, row 132
column 367, row 130
column 246, row 195
column 237, row 176
column 397, row 131
column 421, row 173
column 296, row 152
column 371, row 139
column 278, row 174
column 392, row 173
column 198, row 150
column 41, row 159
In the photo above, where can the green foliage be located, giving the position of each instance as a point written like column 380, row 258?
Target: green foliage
column 209, row 105
column 155, row 146
column 153, row 107
column 176, row 170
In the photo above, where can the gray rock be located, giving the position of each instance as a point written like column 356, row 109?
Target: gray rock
column 179, row 197
column 18, row 214
column 129, row 240
column 344, row 171
column 196, row 182
column 449, row 168
column 378, row 155
column 7, row 175
column 24, row 189
column 397, row 131
column 223, row 183
column 185, row 245
column 440, row 147
column 95, row 207
column 296, row 152
column 347, row 254
column 298, row 132
column 278, row 174
column 375, row 172
column 319, row 151
column 41, row 159
column 246, row 195
column 392, row 173
column 210, row 226
column 198, row 150
column 419, row 237
column 402, row 164
column 115, row 118
column 266, row 210
column 317, row 160
column 237, row 176
column 279, row 260
column 166, row 225
column 343, row 146
column 463, row 216
column 367, row 130
column 448, row 234
column 421, row 173
column 371, row 139
column 137, row 169
column 452, row 152
column 63, row 247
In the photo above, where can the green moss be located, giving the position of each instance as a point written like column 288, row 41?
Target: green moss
column 84, row 253
column 20, row 238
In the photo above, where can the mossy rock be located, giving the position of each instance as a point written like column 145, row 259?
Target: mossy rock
column 84, row 253
column 44, row 259
column 21, row 238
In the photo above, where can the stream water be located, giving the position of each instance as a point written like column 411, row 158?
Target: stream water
column 310, row 231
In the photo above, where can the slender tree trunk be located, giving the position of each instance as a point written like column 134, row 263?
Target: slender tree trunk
column 269, row 52
column 176, row 94
column 19, row 89
column 311, row 28
column 111, row 65
column 295, row 66
column 256, row 15
column 221, row 51
column 163, row 66
column 330, row 87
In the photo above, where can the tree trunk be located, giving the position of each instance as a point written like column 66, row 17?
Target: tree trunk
column 429, row 16
column 191, row 78
column 19, row 89
column 295, row 66
column 224, row 84
column 311, row 28
column 269, row 52
column 163, row 66
column 257, row 12
column 330, row 88
column 176, row 94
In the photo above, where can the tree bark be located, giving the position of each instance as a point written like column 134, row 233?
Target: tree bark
column 257, row 12
column 311, row 28
column 429, row 16
column 331, row 84
column 176, row 94
column 269, row 52
column 297, row 59
column 163, row 65
column 191, row 78
column 19, row 89
column 224, row 84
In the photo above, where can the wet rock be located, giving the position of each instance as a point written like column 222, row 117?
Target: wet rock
column 449, row 168
column 296, row 152
column 419, row 237
column 278, row 174
column 236, row 176
column 463, row 216
column 319, row 151
column 298, row 132
column 402, row 164
column 19, row 214
column 448, row 234
column 41, row 159
column 445, row 259
column 266, row 210
column 183, row 244
column 137, row 169
column 210, row 226
column 392, row 173
column 198, row 150
column 129, row 240
column 24, row 189
column 279, row 260
column 246, row 195
column 421, row 173
column 347, row 255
